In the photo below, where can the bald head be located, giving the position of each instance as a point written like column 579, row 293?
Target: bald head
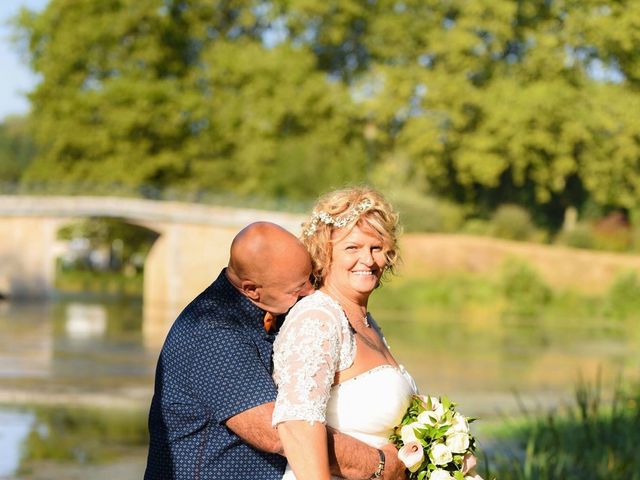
column 267, row 261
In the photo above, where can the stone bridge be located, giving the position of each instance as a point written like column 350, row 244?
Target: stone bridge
column 191, row 248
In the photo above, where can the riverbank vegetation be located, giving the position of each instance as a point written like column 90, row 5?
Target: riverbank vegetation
column 103, row 284
column 594, row 438
column 63, row 435
column 508, row 118
column 515, row 290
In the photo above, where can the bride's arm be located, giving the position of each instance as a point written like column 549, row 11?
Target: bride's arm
column 349, row 458
column 305, row 358
column 305, row 446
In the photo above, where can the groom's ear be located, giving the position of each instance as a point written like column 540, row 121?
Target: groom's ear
column 250, row 289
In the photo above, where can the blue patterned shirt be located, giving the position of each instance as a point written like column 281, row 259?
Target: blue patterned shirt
column 215, row 363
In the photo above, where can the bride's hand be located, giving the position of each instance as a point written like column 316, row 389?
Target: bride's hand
column 473, row 476
column 469, row 463
column 394, row 469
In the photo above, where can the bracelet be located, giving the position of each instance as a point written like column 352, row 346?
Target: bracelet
column 380, row 470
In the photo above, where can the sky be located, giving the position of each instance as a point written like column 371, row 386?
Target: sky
column 15, row 76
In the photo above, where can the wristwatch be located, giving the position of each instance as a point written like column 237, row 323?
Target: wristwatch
column 380, row 470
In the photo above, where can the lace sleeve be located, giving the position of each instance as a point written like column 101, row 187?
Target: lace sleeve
column 305, row 358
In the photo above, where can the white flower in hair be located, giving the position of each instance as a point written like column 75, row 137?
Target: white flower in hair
column 338, row 222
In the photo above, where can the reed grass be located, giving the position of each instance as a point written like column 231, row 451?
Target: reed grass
column 594, row 438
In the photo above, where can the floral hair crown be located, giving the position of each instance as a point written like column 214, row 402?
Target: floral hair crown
column 338, row 222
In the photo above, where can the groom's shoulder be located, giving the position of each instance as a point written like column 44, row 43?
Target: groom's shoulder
column 208, row 310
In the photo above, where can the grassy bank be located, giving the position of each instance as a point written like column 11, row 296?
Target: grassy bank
column 63, row 437
column 592, row 439
column 515, row 290
column 110, row 284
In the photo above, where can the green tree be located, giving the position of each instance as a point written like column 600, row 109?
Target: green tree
column 485, row 102
column 17, row 149
column 184, row 93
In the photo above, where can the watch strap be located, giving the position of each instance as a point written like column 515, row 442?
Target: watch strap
column 380, row 470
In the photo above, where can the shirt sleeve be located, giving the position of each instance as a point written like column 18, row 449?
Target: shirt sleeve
column 305, row 360
column 228, row 374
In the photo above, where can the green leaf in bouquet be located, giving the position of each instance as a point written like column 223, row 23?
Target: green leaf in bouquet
column 420, row 433
column 446, row 403
column 431, row 430
column 458, row 475
column 406, row 420
column 421, row 475
column 433, row 417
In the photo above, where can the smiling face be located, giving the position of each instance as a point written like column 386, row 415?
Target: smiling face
column 357, row 262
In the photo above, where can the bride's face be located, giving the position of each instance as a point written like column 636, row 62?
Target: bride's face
column 357, row 262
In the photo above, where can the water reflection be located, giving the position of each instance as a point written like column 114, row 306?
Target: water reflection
column 85, row 321
column 94, row 356
column 65, row 350
column 14, row 428
column 483, row 364
column 26, row 341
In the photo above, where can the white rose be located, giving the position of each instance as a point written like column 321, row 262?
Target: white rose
column 411, row 455
column 436, row 406
column 459, row 424
column 458, row 442
column 428, row 417
column 440, row 454
column 434, row 410
column 408, row 434
column 440, row 475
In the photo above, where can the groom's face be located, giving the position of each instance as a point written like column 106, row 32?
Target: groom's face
column 285, row 285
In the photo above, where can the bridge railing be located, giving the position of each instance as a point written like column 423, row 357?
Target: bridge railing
column 223, row 198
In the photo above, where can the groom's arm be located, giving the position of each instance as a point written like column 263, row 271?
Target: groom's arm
column 351, row 458
column 348, row 457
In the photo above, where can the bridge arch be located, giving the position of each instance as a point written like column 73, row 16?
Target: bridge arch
column 191, row 248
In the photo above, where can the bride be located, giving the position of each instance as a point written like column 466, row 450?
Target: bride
column 332, row 365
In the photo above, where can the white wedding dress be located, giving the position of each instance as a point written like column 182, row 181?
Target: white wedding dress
column 317, row 341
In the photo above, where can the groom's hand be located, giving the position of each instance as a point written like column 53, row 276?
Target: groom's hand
column 394, row 469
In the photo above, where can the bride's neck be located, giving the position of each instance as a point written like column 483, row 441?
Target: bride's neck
column 352, row 302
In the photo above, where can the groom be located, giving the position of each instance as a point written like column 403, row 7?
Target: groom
column 210, row 416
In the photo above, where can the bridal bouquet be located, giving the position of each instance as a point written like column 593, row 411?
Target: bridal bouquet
column 433, row 439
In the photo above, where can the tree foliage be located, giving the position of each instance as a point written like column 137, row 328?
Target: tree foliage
column 17, row 148
column 485, row 102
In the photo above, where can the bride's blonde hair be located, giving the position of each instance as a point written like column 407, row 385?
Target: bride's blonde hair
column 342, row 210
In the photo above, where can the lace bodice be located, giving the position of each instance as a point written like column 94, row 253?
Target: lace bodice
column 315, row 342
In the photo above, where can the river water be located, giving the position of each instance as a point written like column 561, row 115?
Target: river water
column 76, row 376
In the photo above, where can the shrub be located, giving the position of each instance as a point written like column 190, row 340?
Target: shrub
column 523, row 288
column 477, row 226
column 635, row 239
column 623, row 298
column 512, row 222
column 612, row 233
column 419, row 213
column 581, row 236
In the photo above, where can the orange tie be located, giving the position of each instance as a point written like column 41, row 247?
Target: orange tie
column 269, row 321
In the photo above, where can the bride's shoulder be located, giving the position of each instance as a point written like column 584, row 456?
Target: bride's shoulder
column 316, row 301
